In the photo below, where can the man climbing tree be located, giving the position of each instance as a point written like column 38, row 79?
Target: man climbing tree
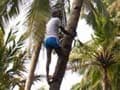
column 52, row 39
column 66, row 44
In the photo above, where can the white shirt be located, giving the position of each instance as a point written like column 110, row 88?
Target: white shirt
column 52, row 27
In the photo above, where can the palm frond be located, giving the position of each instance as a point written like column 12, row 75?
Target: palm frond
column 12, row 60
column 37, row 19
column 106, row 53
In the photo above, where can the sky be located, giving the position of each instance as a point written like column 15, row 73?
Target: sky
column 84, row 31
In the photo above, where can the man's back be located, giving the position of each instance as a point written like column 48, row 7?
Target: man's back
column 52, row 27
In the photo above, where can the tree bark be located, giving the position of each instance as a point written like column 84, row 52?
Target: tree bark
column 33, row 64
column 106, row 82
column 66, row 45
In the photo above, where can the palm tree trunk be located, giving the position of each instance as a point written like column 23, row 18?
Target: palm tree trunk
column 1, row 26
column 106, row 83
column 35, row 56
column 66, row 45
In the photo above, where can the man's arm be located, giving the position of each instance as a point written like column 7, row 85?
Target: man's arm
column 67, row 33
column 64, row 31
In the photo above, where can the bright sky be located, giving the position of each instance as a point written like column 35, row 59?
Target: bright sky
column 84, row 31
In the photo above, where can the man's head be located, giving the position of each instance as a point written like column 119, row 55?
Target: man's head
column 56, row 13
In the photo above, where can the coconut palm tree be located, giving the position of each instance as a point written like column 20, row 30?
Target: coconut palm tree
column 36, row 27
column 66, row 45
column 73, row 19
column 37, row 20
column 105, row 55
column 8, row 8
column 12, row 60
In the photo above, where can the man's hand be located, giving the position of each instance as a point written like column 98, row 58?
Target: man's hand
column 73, row 34
column 66, row 32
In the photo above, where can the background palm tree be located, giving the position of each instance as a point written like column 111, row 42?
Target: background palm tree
column 8, row 8
column 102, row 51
column 12, row 60
column 36, row 27
column 11, row 57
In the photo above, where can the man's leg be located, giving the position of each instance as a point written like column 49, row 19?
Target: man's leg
column 59, row 53
column 49, row 51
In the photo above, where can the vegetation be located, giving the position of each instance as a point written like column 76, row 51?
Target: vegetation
column 12, row 60
column 99, row 58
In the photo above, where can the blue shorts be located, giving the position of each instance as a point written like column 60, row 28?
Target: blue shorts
column 52, row 42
